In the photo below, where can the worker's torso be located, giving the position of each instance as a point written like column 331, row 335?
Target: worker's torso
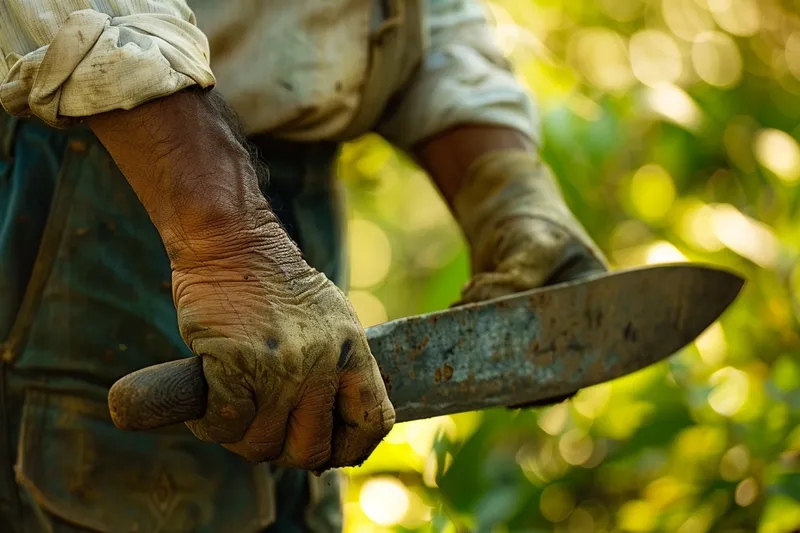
column 302, row 68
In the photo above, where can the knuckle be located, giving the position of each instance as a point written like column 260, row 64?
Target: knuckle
column 376, row 426
column 217, row 433
column 259, row 452
column 313, row 458
column 265, row 446
column 382, row 421
column 254, row 456
column 200, row 431
column 320, row 397
column 389, row 417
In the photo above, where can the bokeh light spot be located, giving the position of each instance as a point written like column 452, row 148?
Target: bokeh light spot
column 792, row 54
column 779, row 152
column 711, row 344
column 655, row 57
column 506, row 31
column 738, row 17
column 686, row 18
column 746, row 492
column 731, row 388
column 675, row 105
column 666, row 490
column 699, row 442
column 575, row 447
column 716, row 59
column 622, row 10
column 734, row 463
column 652, row 192
column 638, row 516
column 592, row 402
column 602, row 56
column 370, row 254
column 556, row 503
column 384, row 500
column 421, row 434
column 664, row 252
column 369, row 308
column 786, row 373
column 696, row 229
column 745, row 236
column 581, row 521
column 554, row 419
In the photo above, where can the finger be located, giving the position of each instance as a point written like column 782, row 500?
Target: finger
column 364, row 414
column 310, row 427
column 264, row 438
column 230, row 408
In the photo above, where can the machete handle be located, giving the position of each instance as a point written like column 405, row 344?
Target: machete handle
column 159, row 395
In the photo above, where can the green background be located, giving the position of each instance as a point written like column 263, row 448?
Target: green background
column 672, row 127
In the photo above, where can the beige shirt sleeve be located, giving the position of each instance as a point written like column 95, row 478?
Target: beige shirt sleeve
column 464, row 79
column 65, row 59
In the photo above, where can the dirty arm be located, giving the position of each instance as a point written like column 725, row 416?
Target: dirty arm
column 521, row 233
column 187, row 161
column 289, row 371
column 447, row 157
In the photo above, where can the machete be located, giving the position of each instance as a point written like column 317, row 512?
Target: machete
column 532, row 346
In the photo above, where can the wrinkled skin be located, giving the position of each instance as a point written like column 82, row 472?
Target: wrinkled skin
column 289, row 371
column 522, row 234
column 290, row 375
column 530, row 253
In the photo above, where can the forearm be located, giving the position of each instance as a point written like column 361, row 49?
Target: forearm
column 486, row 174
column 447, row 157
column 187, row 161
column 508, row 204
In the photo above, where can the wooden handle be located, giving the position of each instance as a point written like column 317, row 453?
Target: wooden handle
column 160, row 395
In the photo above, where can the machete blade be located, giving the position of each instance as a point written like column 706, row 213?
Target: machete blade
column 548, row 342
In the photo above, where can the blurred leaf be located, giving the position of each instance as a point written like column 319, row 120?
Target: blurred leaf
column 708, row 441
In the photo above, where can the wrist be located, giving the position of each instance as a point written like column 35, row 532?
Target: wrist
column 186, row 158
column 218, row 232
column 502, row 186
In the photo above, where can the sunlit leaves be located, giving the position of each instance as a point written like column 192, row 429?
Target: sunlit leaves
column 672, row 126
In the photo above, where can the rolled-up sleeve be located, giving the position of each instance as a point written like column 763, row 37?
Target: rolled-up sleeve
column 62, row 60
column 464, row 79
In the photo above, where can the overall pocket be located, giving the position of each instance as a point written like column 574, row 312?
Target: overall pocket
column 80, row 468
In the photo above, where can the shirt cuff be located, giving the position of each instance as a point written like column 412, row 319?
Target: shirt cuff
column 98, row 63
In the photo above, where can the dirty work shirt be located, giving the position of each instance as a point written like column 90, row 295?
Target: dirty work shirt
column 300, row 69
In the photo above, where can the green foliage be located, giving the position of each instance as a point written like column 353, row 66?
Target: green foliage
column 673, row 129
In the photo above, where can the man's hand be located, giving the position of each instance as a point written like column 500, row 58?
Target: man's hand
column 290, row 375
column 521, row 233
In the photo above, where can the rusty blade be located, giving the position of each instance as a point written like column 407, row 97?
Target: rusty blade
column 547, row 342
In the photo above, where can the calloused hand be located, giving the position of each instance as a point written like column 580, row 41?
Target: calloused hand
column 290, row 374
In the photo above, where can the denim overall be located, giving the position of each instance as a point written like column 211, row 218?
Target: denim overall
column 85, row 298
